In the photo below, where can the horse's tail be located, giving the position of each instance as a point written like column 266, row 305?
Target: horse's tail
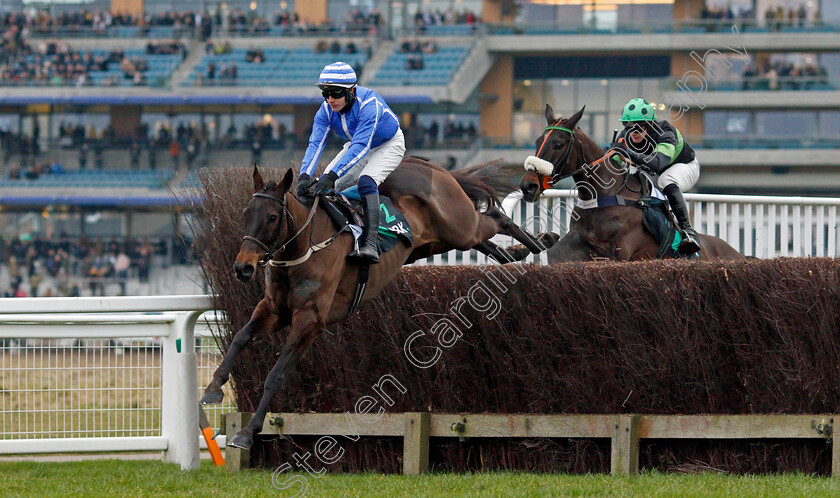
column 484, row 183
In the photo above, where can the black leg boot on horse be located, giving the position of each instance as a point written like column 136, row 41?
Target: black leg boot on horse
column 368, row 244
column 689, row 244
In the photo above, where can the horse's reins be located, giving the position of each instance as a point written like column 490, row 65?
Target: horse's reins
column 611, row 153
column 268, row 257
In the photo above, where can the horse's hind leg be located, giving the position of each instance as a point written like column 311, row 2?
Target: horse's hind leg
column 262, row 320
column 306, row 326
column 506, row 226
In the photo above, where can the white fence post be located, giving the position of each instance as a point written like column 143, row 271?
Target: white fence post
column 179, row 406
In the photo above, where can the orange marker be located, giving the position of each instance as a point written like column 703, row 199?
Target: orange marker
column 207, row 431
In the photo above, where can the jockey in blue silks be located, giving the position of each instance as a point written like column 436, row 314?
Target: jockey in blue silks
column 374, row 149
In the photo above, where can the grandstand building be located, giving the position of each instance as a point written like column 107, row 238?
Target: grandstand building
column 106, row 105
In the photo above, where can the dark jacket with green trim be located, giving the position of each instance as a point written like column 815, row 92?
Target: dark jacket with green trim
column 663, row 147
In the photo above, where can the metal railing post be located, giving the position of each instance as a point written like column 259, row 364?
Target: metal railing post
column 179, row 384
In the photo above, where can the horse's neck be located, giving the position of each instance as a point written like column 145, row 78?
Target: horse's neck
column 595, row 181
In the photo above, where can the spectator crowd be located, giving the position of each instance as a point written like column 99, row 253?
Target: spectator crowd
column 423, row 19
column 62, row 266
column 415, row 48
column 54, row 63
column 783, row 75
column 776, row 17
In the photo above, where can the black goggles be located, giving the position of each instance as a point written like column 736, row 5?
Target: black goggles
column 628, row 125
column 335, row 93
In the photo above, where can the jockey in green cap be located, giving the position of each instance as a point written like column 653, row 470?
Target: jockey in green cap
column 660, row 148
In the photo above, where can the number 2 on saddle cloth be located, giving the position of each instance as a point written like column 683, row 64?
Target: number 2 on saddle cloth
column 393, row 226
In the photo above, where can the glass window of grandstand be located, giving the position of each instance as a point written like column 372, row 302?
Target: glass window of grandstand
column 771, row 129
column 446, row 129
column 773, row 71
column 72, row 130
column 603, row 98
column 236, row 10
column 769, row 15
column 602, row 84
column 600, row 16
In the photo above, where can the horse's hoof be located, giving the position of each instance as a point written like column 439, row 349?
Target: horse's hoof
column 517, row 252
column 548, row 239
column 212, row 396
column 242, row 441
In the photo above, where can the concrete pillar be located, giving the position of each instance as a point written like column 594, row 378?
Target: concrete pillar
column 691, row 123
column 133, row 7
column 303, row 116
column 312, row 11
column 125, row 119
column 496, row 100
column 687, row 9
column 497, row 11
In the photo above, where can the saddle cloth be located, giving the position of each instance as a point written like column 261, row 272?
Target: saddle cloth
column 657, row 220
column 345, row 209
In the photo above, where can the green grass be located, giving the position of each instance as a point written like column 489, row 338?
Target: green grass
column 147, row 478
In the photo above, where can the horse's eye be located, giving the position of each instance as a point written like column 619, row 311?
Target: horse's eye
column 273, row 218
column 559, row 145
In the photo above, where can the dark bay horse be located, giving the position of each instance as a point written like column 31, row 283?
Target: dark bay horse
column 613, row 232
column 311, row 284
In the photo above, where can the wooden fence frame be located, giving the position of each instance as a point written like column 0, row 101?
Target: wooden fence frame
column 625, row 431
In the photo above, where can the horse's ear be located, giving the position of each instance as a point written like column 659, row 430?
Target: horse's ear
column 258, row 179
column 549, row 115
column 574, row 118
column 286, row 184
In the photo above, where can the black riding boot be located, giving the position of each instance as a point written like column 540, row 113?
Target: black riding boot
column 689, row 244
column 368, row 246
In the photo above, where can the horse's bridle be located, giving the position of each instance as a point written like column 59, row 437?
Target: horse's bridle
column 268, row 257
column 564, row 159
column 269, row 251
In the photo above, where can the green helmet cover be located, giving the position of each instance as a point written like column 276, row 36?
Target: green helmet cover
column 638, row 109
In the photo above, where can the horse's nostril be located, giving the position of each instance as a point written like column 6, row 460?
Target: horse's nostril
column 244, row 272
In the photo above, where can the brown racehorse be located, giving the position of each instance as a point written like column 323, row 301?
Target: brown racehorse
column 442, row 212
column 613, row 232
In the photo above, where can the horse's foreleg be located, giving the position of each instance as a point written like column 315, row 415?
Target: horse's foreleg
column 506, row 226
column 306, row 326
column 572, row 247
column 261, row 320
column 501, row 256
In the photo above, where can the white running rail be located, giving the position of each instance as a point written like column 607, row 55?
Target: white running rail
column 70, row 380
column 760, row 226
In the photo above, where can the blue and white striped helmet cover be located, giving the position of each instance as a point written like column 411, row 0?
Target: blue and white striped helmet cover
column 337, row 74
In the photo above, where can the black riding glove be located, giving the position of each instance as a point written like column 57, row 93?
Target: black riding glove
column 639, row 160
column 304, row 181
column 325, row 184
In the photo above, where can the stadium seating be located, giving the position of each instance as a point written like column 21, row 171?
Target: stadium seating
column 160, row 67
column 282, row 67
column 439, row 68
column 96, row 179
